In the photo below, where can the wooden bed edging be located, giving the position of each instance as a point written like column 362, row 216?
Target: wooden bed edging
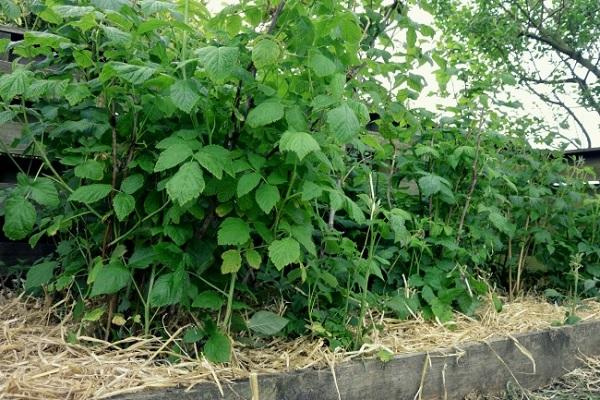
column 533, row 359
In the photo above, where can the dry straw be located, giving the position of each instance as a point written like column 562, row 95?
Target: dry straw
column 37, row 362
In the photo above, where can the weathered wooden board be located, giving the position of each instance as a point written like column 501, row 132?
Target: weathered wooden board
column 533, row 360
column 10, row 131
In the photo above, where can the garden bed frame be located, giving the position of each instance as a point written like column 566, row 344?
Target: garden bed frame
column 530, row 360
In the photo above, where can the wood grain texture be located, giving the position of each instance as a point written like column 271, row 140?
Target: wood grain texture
column 8, row 133
column 532, row 359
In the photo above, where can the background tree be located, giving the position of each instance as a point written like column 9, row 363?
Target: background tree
column 550, row 48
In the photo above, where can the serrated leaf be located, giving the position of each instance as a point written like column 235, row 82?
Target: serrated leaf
column 303, row 234
column 219, row 62
column 232, row 261
column 39, row 274
column 134, row 74
column 233, row 231
column 187, row 184
column 218, row 348
column 123, row 204
column 184, row 95
column 167, row 289
column 132, row 183
column 253, row 258
column 90, row 193
column 431, row 184
column 95, row 314
column 172, row 156
column 266, row 197
column 267, row 323
column 43, row 192
column 321, row 65
column 213, row 158
column 265, row 113
column 501, row 223
column 14, row 84
column 343, row 123
column 311, row 190
column 142, row 257
column 265, row 53
column 209, row 300
column 301, row 143
column 10, row 9
column 284, row 252
column 110, row 279
column 113, row 5
column 117, row 37
column 90, row 169
column 247, row 182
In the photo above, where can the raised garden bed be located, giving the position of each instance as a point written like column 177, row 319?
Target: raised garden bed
column 40, row 358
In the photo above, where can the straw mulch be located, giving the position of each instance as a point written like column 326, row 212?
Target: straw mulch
column 580, row 384
column 37, row 362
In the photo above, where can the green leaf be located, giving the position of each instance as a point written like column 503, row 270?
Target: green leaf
column 431, row 184
column 95, row 314
column 117, row 37
column 10, row 9
column 267, row 323
column 134, row 74
column 40, row 274
column 14, row 84
column 132, row 183
column 218, row 348
column 442, row 311
column 209, row 300
column 253, row 258
column 75, row 94
column 501, row 223
column 110, row 279
column 321, row 65
column 90, row 169
column 173, row 156
column 265, row 53
column 343, row 123
column 233, row 231
column 265, row 113
column 311, row 190
column 232, row 261
column 90, row 193
column 113, row 5
column 284, row 252
column 187, row 184
column 141, row 258
column 213, row 158
column 167, row 289
column 266, row 197
column 247, row 182
column 184, row 95
column 219, row 62
column 301, row 143
column 123, row 204
column 44, row 192
column 303, row 234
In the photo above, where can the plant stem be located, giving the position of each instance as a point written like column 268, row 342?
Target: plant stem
column 228, row 310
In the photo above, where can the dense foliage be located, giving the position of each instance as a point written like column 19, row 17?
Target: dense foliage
column 219, row 170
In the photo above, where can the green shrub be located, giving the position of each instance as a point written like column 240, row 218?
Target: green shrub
column 211, row 168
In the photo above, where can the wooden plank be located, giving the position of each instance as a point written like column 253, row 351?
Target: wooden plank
column 12, row 29
column 10, row 131
column 451, row 374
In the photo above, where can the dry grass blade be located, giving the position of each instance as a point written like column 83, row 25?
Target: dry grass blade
column 36, row 361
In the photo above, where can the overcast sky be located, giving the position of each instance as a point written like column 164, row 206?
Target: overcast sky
column 532, row 105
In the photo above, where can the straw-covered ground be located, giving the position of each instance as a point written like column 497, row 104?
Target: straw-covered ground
column 580, row 384
column 38, row 362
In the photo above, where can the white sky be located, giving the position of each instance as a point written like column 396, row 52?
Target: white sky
column 532, row 105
